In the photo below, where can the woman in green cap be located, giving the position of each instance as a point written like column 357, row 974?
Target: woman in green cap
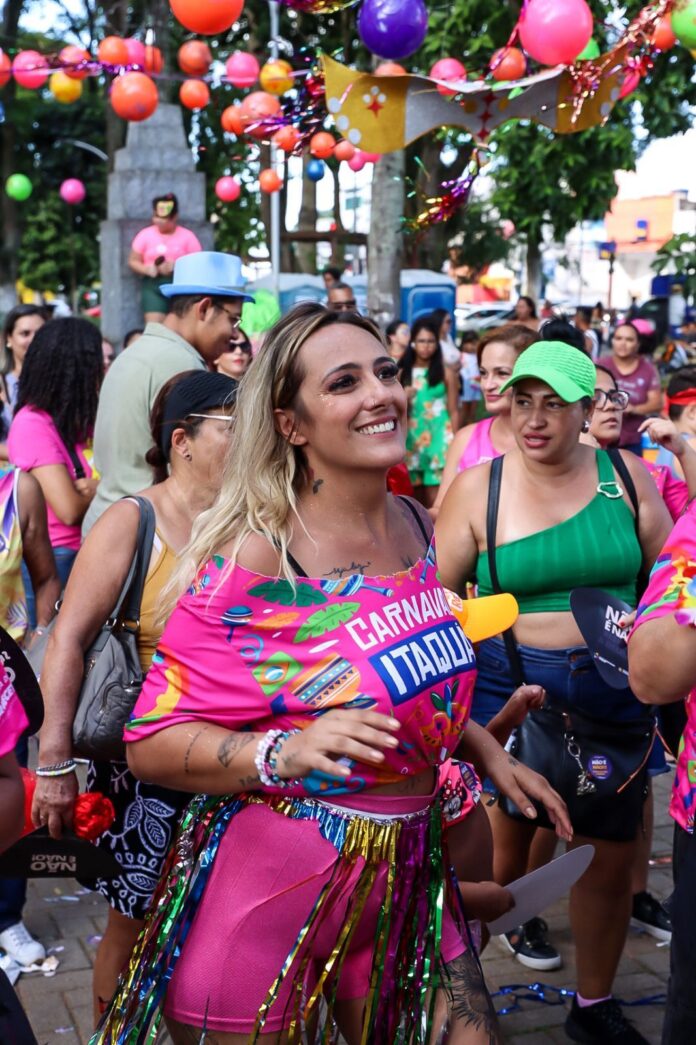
column 564, row 520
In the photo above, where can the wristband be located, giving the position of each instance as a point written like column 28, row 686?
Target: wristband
column 57, row 769
column 266, row 758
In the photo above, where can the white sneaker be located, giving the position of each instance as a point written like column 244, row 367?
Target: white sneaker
column 18, row 942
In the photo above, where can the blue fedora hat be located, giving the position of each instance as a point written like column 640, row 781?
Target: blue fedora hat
column 207, row 272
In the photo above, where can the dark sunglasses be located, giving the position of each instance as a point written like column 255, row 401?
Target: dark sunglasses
column 243, row 346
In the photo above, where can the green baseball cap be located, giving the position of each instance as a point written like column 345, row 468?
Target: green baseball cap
column 567, row 370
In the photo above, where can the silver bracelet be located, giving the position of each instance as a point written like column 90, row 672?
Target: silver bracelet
column 58, row 769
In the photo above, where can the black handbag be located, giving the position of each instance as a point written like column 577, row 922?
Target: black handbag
column 113, row 676
column 597, row 767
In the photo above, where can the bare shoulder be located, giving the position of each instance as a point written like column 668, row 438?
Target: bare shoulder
column 412, row 509
column 639, row 473
column 117, row 526
column 461, row 440
column 256, row 554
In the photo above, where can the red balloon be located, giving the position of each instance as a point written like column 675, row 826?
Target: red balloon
column 322, row 145
column 269, row 180
column 344, row 150
column 72, row 56
column 194, row 94
column 629, row 83
column 113, row 51
column 390, row 69
column 448, row 69
column 372, row 157
column 134, row 96
column 194, row 58
column 232, row 120
column 508, row 64
column 5, row 68
column 259, row 110
column 136, row 51
column 227, row 189
column 242, row 69
column 30, row 69
column 286, row 138
column 663, row 38
column 555, row 32
column 154, row 62
column 207, row 17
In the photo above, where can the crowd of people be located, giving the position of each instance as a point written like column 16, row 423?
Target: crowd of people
column 326, row 788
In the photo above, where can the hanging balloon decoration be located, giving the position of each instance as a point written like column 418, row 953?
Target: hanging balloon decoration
column 287, row 138
column 260, row 113
column 322, row 145
column 344, row 150
column 194, row 58
column 113, row 51
column 5, row 68
column 64, row 89
column 554, row 32
column 684, row 22
column 194, row 94
column 72, row 191
column 393, row 28
column 276, row 77
column 448, row 69
column 316, row 169
column 134, row 96
column 154, row 62
column 390, row 69
column 207, row 17
column 227, row 189
column 242, row 69
column 232, row 120
column 30, row 69
column 18, row 187
column 269, row 180
column 508, row 63
column 75, row 62
column 357, row 161
column 136, row 51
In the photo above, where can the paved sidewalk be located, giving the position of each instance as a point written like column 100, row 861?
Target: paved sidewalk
column 68, row 920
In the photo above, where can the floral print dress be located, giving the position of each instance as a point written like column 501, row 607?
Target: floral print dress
column 429, row 430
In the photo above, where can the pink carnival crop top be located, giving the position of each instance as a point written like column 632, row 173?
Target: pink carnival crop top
column 479, row 448
column 250, row 652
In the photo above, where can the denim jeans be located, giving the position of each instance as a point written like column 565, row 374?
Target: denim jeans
column 65, row 557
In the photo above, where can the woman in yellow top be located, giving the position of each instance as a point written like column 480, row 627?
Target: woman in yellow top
column 191, row 426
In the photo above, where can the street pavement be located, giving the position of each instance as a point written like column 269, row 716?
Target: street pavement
column 69, row 920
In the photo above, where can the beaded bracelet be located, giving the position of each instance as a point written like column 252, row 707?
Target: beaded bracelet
column 58, row 769
column 266, row 758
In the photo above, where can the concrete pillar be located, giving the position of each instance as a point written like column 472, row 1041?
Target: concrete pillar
column 156, row 159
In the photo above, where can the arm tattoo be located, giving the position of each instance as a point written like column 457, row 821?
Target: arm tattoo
column 187, row 756
column 232, row 745
column 355, row 567
column 512, row 761
column 468, row 1000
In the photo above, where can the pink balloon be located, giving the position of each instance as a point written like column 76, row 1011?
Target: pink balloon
column 30, row 69
column 357, row 162
column 72, row 191
column 227, row 189
column 242, row 69
column 136, row 51
column 554, row 32
column 448, row 69
column 629, row 82
column 371, row 157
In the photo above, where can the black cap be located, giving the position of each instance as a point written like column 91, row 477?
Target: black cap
column 195, row 395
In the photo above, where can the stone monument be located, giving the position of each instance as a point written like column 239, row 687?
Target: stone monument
column 156, row 159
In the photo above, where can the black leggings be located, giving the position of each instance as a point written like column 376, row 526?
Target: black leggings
column 680, row 1016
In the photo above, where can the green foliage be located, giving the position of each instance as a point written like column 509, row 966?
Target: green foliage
column 479, row 241
column 678, row 255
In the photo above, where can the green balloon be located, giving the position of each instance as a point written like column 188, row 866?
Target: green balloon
column 591, row 50
column 260, row 315
column 684, row 23
column 18, row 187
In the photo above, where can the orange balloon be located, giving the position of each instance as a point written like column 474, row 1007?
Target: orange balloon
column 194, row 58
column 663, row 38
column 72, row 56
column 194, row 94
column 287, row 138
column 390, row 69
column 113, row 51
column 5, row 68
column 322, row 145
column 134, row 96
column 154, row 62
column 344, row 150
column 258, row 112
column 232, row 120
column 508, row 64
column 207, row 17
column 269, row 180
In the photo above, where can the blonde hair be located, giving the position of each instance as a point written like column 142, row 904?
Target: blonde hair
column 264, row 470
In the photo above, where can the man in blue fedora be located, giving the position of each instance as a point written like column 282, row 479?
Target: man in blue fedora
column 206, row 293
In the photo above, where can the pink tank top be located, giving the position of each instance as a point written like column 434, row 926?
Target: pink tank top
column 479, row 448
column 247, row 651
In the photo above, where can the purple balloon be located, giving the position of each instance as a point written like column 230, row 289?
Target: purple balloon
column 393, row 28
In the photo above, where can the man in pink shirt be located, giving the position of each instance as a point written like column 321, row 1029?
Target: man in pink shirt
column 154, row 251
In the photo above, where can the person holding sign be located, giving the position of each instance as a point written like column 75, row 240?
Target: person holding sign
column 154, row 251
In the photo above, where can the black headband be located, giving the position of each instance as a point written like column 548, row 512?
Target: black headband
column 195, row 395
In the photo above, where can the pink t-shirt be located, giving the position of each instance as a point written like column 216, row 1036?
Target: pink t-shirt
column 33, row 442
column 13, row 720
column 479, row 448
column 153, row 244
column 246, row 651
column 644, row 379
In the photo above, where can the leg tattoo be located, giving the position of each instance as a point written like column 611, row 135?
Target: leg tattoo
column 468, row 1000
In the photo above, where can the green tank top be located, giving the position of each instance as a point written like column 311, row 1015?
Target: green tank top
column 596, row 548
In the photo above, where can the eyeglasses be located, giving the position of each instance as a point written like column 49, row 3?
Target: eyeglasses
column 342, row 306
column 617, row 397
column 243, row 346
column 236, row 320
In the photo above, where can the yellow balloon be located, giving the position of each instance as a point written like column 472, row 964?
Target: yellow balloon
column 64, row 89
column 693, row 54
column 276, row 76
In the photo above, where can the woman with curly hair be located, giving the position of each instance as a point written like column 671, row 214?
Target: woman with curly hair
column 53, row 422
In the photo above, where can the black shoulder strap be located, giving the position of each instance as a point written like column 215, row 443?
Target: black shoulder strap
column 76, row 462
column 416, row 515
column 128, row 605
column 626, row 478
column 491, row 529
column 295, row 565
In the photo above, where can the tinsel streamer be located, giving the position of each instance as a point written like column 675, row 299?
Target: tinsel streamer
column 455, row 194
column 318, row 7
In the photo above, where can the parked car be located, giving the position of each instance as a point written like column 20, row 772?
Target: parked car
column 483, row 317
